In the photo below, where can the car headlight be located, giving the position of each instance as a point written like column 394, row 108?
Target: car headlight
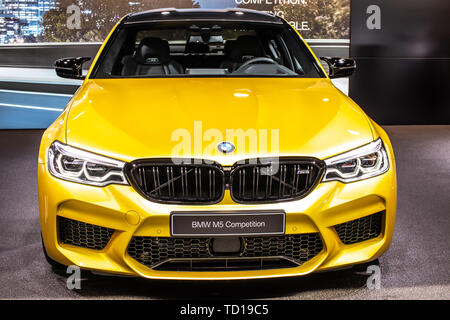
column 72, row 164
column 361, row 163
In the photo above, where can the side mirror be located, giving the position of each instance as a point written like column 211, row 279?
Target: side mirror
column 71, row 68
column 340, row 67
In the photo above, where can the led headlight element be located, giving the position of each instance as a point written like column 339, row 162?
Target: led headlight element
column 365, row 162
column 72, row 164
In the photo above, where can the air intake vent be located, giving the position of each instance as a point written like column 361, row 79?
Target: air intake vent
column 360, row 229
column 195, row 253
column 82, row 234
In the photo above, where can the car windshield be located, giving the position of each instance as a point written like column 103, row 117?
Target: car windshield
column 192, row 49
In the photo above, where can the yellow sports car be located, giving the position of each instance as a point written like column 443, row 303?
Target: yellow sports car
column 212, row 144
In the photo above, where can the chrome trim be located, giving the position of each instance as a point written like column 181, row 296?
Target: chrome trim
column 224, row 258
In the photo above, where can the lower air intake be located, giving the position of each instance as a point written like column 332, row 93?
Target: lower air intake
column 360, row 229
column 82, row 234
column 192, row 254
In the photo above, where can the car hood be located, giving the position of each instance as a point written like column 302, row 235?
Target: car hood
column 141, row 118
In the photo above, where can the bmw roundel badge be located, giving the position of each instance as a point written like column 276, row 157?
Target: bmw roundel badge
column 225, row 147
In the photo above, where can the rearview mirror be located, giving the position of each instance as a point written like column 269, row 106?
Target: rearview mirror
column 71, row 68
column 340, row 67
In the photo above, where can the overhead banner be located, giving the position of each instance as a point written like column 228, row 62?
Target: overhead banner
column 91, row 20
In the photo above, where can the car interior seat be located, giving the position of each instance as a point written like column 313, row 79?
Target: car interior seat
column 241, row 50
column 151, row 58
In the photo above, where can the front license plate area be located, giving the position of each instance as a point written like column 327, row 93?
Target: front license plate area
column 234, row 223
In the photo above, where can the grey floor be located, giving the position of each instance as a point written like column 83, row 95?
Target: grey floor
column 415, row 267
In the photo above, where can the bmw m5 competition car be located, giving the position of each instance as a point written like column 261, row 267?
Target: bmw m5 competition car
column 212, row 145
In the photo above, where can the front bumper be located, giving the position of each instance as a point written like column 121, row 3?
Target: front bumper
column 129, row 215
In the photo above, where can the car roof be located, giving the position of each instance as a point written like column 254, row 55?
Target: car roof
column 172, row 14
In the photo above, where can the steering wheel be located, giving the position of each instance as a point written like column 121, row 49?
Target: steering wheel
column 255, row 61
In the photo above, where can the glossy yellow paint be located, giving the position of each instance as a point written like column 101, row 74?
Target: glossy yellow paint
column 130, row 119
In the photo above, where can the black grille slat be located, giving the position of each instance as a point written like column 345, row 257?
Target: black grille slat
column 184, row 186
column 311, row 175
column 155, row 181
column 294, row 178
column 359, row 230
column 210, row 183
column 170, row 182
column 143, row 178
column 270, row 183
column 255, row 182
column 198, row 183
column 153, row 251
column 283, row 180
column 83, row 234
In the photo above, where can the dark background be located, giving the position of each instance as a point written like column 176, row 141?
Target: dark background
column 403, row 69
